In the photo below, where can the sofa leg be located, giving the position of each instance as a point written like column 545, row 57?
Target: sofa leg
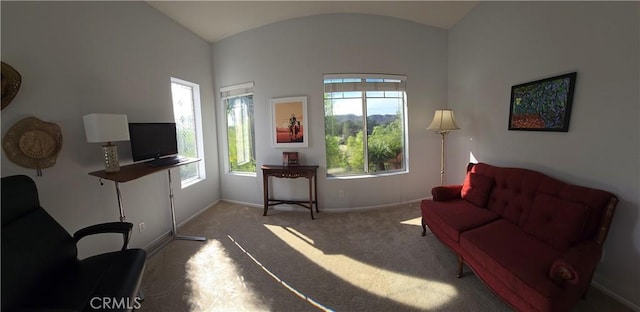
column 460, row 264
column 424, row 228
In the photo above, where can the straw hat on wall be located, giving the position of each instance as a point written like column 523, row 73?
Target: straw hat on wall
column 33, row 143
column 11, row 81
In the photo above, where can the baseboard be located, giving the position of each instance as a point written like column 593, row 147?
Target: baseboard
column 199, row 212
column 352, row 209
column 615, row 296
column 157, row 244
column 366, row 208
column 243, row 203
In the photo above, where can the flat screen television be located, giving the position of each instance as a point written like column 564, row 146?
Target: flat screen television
column 152, row 140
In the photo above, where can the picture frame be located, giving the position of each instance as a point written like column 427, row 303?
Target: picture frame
column 542, row 105
column 289, row 122
column 290, row 158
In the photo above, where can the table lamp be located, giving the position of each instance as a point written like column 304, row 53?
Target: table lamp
column 443, row 123
column 107, row 128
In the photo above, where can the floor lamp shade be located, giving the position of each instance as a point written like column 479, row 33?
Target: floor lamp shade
column 107, row 128
column 443, row 122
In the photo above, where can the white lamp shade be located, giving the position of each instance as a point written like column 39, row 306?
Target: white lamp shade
column 100, row 128
column 443, row 121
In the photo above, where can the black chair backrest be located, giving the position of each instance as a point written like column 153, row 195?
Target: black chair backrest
column 34, row 245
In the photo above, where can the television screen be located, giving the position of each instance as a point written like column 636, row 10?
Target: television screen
column 152, row 140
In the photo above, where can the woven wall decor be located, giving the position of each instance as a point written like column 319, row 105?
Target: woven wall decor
column 11, row 81
column 33, row 143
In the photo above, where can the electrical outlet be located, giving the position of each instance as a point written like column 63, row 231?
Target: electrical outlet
column 141, row 226
column 341, row 193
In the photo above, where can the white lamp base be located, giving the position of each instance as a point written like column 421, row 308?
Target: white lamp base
column 111, row 162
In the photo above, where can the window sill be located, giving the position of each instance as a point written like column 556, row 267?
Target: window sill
column 243, row 174
column 366, row 176
column 190, row 182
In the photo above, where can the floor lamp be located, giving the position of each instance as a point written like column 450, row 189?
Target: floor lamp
column 443, row 123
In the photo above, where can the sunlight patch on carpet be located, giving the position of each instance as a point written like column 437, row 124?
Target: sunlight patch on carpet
column 408, row 290
column 283, row 283
column 214, row 283
column 414, row 221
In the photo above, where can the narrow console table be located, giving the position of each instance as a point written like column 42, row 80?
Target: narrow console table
column 138, row 170
column 291, row 172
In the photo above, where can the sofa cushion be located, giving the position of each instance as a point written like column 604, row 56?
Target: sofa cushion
column 455, row 216
column 556, row 221
column 446, row 192
column 595, row 200
column 513, row 192
column 476, row 189
column 507, row 255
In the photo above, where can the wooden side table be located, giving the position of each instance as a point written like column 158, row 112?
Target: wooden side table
column 291, row 172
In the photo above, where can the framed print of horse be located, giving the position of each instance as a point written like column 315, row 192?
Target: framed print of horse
column 289, row 122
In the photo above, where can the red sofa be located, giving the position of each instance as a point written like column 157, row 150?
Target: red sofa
column 534, row 240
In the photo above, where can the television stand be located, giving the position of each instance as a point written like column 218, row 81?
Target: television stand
column 134, row 171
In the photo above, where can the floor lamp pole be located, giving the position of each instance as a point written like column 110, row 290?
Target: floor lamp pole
column 443, row 133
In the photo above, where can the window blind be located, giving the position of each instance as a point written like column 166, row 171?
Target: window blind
column 372, row 82
column 236, row 90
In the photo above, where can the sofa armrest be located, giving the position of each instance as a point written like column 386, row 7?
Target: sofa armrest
column 446, row 192
column 577, row 264
column 123, row 228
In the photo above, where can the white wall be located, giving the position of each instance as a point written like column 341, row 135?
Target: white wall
column 117, row 57
column 289, row 59
column 111, row 57
column 501, row 44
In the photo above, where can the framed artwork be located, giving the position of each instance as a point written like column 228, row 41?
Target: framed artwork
column 289, row 158
column 542, row 105
column 289, row 122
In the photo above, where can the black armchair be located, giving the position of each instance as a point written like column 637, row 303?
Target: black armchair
column 40, row 266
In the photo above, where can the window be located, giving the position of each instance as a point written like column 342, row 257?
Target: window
column 364, row 124
column 238, row 101
column 186, row 112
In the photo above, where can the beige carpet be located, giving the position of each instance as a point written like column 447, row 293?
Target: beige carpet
column 357, row 261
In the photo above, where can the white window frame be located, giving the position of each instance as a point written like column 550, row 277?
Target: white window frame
column 197, row 115
column 229, row 92
column 372, row 86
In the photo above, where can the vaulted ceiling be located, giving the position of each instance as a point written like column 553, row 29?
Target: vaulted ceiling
column 216, row 20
